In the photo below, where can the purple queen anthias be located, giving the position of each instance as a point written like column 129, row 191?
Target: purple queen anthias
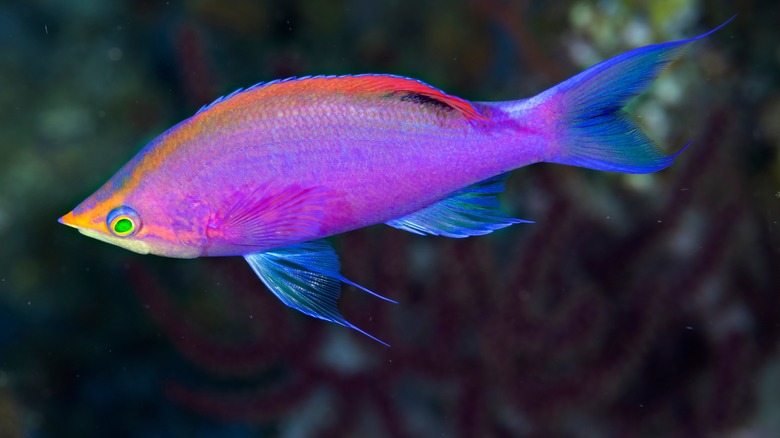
column 268, row 172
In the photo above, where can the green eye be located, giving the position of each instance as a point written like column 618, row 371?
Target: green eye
column 123, row 222
column 123, row 226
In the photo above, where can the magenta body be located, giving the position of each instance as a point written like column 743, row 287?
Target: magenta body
column 371, row 158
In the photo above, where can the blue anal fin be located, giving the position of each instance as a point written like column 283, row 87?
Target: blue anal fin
column 306, row 277
column 471, row 211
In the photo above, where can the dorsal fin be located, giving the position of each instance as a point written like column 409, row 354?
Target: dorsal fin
column 388, row 84
column 404, row 88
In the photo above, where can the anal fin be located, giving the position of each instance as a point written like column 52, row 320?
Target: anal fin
column 471, row 211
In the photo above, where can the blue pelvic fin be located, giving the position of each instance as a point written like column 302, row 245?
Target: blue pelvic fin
column 471, row 211
column 595, row 132
column 306, row 277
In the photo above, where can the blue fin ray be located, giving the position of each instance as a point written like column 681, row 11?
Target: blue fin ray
column 471, row 211
column 306, row 277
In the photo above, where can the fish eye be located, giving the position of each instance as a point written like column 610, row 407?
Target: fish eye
column 123, row 221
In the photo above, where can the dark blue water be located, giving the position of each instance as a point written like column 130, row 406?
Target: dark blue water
column 634, row 306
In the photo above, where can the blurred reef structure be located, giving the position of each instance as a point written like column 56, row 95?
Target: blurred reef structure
column 644, row 305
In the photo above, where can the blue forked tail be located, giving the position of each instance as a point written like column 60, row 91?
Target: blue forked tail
column 593, row 130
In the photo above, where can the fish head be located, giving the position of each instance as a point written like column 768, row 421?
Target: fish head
column 135, row 221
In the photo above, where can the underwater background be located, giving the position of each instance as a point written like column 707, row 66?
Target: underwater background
column 636, row 305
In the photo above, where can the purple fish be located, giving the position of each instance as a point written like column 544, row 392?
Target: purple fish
column 268, row 172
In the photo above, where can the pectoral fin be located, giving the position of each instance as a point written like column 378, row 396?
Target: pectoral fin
column 306, row 277
column 471, row 211
column 268, row 215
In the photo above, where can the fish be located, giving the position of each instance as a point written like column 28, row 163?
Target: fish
column 270, row 172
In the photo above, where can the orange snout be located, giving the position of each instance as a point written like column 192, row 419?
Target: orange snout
column 75, row 221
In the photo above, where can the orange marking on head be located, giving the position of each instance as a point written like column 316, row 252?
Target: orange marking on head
column 90, row 221
column 167, row 144
column 94, row 218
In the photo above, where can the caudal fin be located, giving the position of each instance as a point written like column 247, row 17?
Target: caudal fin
column 594, row 131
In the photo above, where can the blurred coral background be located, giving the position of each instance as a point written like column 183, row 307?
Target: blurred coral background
column 645, row 305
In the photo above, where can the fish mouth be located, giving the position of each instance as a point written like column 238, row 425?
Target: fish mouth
column 136, row 246
column 68, row 220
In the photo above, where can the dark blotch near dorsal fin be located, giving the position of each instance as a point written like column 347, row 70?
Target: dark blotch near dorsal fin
column 425, row 100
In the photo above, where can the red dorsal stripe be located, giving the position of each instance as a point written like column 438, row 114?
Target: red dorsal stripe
column 369, row 83
column 397, row 84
